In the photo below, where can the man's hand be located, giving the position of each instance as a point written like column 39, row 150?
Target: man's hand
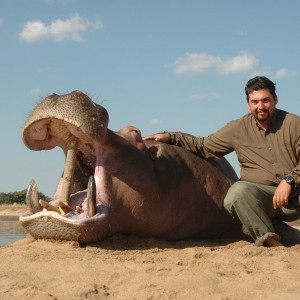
column 281, row 195
column 159, row 137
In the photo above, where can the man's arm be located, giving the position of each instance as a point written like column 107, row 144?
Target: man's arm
column 184, row 140
column 218, row 144
column 284, row 189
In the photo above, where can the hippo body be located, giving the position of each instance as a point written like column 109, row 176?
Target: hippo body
column 131, row 186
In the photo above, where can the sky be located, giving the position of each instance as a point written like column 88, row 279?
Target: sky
column 157, row 65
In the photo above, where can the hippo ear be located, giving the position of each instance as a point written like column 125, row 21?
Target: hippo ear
column 155, row 151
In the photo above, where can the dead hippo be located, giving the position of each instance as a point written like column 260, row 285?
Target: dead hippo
column 114, row 182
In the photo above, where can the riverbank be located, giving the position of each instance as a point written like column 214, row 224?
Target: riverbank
column 12, row 210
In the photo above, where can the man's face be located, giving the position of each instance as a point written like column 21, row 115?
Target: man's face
column 262, row 105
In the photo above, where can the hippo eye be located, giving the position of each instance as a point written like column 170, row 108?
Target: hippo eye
column 137, row 131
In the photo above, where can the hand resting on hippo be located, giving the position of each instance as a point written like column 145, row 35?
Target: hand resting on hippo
column 115, row 182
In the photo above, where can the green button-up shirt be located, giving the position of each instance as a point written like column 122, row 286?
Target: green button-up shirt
column 265, row 157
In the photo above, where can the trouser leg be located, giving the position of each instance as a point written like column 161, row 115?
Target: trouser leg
column 253, row 205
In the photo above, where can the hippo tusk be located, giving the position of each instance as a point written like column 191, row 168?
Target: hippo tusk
column 32, row 201
column 48, row 206
column 68, row 172
column 91, row 197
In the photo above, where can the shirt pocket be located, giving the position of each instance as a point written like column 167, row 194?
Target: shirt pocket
column 249, row 153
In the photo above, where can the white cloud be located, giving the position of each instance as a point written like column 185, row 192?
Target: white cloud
column 205, row 97
column 239, row 64
column 59, row 30
column 284, row 73
column 201, row 62
column 155, row 122
column 196, row 63
column 35, row 91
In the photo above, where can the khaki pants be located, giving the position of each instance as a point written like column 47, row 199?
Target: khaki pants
column 253, row 204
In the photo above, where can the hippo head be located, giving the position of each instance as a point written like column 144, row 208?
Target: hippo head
column 58, row 120
column 95, row 165
column 69, row 121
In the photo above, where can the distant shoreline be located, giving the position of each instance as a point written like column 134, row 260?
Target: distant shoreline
column 12, row 211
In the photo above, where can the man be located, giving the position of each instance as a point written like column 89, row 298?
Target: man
column 267, row 144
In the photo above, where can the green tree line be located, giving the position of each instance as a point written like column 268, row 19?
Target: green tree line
column 18, row 197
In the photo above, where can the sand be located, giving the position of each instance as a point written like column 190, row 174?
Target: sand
column 127, row 267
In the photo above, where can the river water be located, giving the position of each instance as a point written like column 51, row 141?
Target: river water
column 10, row 230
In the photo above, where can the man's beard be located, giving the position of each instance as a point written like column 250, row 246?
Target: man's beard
column 265, row 117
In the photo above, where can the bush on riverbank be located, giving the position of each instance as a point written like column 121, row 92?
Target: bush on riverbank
column 18, row 197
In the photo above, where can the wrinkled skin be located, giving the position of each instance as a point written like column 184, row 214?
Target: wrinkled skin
column 122, row 183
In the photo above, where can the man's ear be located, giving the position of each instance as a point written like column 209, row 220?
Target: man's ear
column 248, row 104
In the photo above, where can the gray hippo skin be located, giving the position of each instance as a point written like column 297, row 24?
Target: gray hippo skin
column 120, row 183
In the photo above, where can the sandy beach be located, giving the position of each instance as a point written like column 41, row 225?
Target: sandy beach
column 127, row 267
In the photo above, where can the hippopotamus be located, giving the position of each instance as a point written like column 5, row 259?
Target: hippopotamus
column 116, row 182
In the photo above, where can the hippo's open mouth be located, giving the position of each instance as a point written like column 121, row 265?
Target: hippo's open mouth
column 77, row 125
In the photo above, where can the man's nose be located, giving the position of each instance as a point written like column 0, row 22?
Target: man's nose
column 261, row 105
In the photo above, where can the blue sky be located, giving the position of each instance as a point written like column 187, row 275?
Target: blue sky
column 175, row 65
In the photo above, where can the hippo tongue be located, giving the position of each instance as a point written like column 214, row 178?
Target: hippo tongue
column 68, row 172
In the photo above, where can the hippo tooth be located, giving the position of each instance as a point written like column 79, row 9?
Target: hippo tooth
column 48, row 206
column 68, row 172
column 91, row 197
column 32, row 198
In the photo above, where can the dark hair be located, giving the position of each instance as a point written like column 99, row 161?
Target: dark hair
column 258, row 83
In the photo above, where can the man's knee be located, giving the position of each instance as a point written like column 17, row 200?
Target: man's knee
column 238, row 192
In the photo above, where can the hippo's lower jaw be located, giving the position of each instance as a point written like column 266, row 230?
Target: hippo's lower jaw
column 88, row 226
column 52, row 225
